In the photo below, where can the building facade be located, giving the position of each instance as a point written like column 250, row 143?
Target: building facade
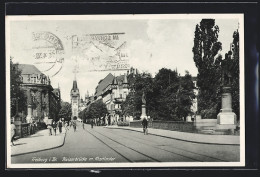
column 43, row 101
column 113, row 91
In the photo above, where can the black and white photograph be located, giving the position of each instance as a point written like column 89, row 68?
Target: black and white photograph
column 132, row 90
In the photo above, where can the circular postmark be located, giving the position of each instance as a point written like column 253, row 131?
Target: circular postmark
column 48, row 52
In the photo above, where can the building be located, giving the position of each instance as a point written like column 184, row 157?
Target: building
column 75, row 99
column 113, row 91
column 43, row 101
column 84, row 102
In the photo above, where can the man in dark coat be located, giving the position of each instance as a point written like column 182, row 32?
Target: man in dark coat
column 92, row 123
column 60, row 125
column 145, row 124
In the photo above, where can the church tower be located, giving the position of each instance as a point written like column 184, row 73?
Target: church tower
column 75, row 100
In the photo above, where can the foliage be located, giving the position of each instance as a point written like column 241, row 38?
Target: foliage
column 235, row 74
column 166, row 85
column 207, row 60
column 65, row 111
column 167, row 95
column 139, row 83
column 96, row 109
column 185, row 96
column 17, row 93
column 81, row 114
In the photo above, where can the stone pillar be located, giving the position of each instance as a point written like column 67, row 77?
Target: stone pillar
column 143, row 115
column 29, row 116
column 226, row 119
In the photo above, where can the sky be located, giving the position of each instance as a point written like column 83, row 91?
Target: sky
column 152, row 43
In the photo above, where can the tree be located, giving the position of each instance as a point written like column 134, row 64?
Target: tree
column 166, row 85
column 185, row 96
column 138, row 84
column 168, row 96
column 96, row 109
column 65, row 111
column 205, row 54
column 18, row 96
column 235, row 74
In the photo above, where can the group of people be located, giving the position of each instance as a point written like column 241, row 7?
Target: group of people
column 74, row 124
column 56, row 125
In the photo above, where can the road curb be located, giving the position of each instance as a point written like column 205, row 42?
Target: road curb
column 175, row 138
column 42, row 149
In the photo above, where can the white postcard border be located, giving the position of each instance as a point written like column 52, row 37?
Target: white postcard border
column 239, row 16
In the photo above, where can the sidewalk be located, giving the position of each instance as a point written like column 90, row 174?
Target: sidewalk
column 38, row 142
column 189, row 137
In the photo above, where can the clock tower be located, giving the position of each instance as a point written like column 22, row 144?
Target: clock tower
column 75, row 100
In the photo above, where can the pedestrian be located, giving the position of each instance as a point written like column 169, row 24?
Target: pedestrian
column 54, row 125
column 92, row 122
column 66, row 125
column 50, row 128
column 145, row 123
column 13, row 131
column 83, row 125
column 60, row 126
column 74, row 125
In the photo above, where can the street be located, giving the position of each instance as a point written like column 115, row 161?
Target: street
column 106, row 145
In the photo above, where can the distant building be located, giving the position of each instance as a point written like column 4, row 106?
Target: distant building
column 113, row 91
column 43, row 101
column 75, row 99
column 84, row 102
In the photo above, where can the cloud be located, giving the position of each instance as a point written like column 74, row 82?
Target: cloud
column 169, row 45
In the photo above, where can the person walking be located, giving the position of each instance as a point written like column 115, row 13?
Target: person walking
column 54, row 125
column 66, row 125
column 13, row 131
column 145, row 123
column 49, row 126
column 60, row 126
column 83, row 125
column 92, row 123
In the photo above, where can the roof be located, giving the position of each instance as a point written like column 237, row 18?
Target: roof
column 107, row 81
column 120, row 78
column 56, row 91
column 125, row 79
column 115, row 81
column 28, row 69
column 103, row 84
column 75, row 86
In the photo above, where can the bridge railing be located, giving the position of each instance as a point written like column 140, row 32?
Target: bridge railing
column 167, row 125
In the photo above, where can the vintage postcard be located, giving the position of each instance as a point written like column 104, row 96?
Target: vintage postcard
column 92, row 91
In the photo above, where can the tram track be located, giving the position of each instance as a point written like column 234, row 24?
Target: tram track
column 142, row 141
column 153, row 159
column 109, row 146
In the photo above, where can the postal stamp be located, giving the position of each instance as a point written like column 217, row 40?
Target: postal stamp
column 48, row 52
